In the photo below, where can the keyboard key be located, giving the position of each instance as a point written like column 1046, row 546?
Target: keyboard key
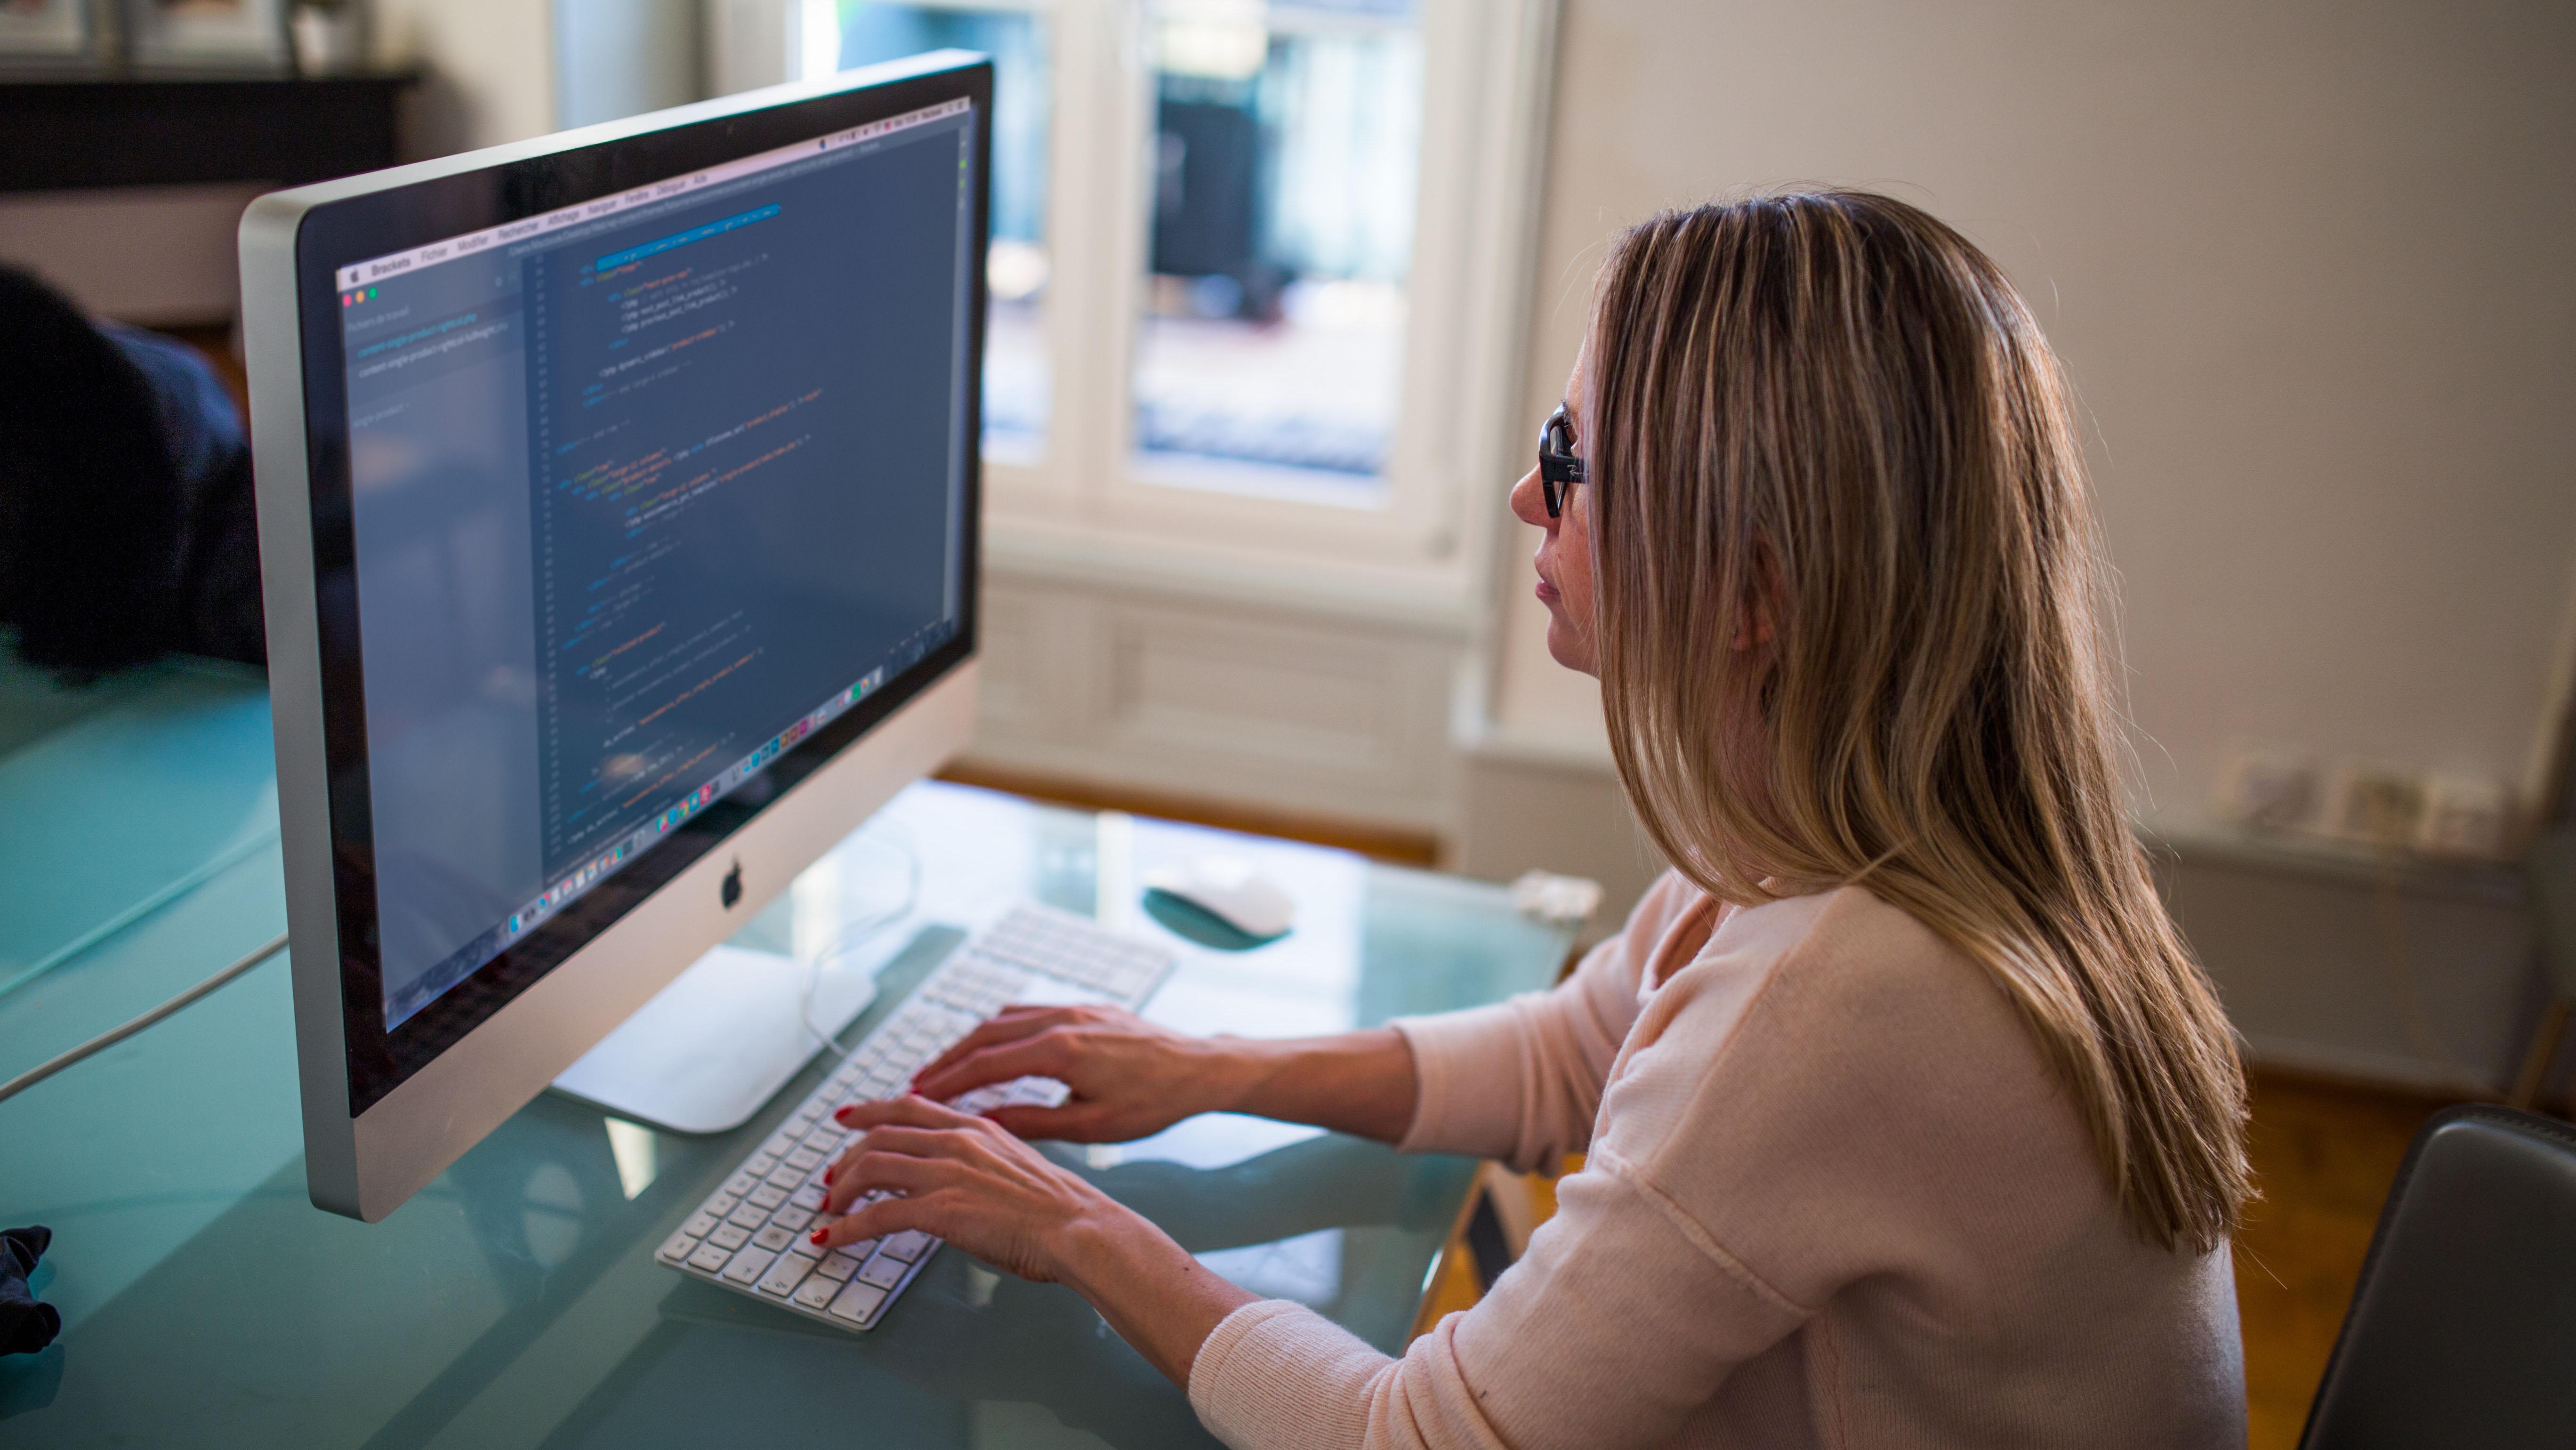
column 839, row 1265
column 791, row 1219
column 730, row 1236
column 789, row 1179
column 816, row 1292
column 857, row 1302
column 766, row 1197
column 677, row 1248
column 803, row 1247
column 741, row 1183
column 785, row 1275
column 748, row 1265
column 710, row 1258
column 773, row 1238
column 700, row 1225
column 908, row 1245
column 808, row 1198
column 885, row 1271
column 759, row 1165
column 749, row 1215
column 722, row 1204
column 778, row 1145
column 805, row 1158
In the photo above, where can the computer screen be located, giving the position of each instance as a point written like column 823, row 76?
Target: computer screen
column 644, row 491
column 632, row 503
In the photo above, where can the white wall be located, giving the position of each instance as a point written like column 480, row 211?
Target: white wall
column 490, row 70
column 157, row 256
column 620, row 58
column 2307, row 261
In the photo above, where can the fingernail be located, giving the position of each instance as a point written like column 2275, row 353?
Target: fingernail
column 817, row 1240
column 841, row 1115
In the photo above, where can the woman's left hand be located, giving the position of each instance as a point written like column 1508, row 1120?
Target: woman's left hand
column 965, row 1179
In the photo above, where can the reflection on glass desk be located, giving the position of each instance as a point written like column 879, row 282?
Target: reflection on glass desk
column 516, row 1301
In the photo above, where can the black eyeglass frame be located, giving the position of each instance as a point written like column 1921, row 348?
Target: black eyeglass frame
column 1559, row 466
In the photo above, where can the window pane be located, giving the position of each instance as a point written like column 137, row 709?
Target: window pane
column 1015, row 362
column 1286, row 147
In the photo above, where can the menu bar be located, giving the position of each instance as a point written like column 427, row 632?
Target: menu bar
column 376, row 269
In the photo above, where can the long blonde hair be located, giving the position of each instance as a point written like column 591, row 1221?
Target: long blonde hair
column 1831, row 408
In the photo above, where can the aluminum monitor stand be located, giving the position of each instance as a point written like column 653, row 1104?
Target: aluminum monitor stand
column 708, row 1050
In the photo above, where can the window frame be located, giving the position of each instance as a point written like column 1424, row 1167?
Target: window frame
column 1084, row 509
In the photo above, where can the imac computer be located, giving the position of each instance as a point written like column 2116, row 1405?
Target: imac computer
column 617, row 505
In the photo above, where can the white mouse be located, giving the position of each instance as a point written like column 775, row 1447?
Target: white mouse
column 1229, row 890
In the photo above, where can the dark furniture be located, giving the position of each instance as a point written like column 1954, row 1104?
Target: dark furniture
column 2463, row 1329
column 2550, row 865
column 66, row 132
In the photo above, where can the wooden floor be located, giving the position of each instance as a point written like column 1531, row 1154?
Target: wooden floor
column 1385, row 843
column 2324, row 1156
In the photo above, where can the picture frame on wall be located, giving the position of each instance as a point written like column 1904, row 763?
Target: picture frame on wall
column 51, row 34
column 209, row 35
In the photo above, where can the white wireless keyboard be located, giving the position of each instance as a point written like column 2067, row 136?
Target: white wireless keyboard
column 752, row 1235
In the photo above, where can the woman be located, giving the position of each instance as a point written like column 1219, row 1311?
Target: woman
column 1909, row 1120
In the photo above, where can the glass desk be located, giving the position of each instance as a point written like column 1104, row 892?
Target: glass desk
column 515, row 1301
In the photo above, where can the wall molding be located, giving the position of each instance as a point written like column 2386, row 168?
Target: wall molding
column 1024, row 551
column 1296, row 710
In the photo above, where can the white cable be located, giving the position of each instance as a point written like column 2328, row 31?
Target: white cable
column 106, row 1040
column 847, row 939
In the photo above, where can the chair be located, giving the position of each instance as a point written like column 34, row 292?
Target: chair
column 2550, row 867
column 2463, row 1329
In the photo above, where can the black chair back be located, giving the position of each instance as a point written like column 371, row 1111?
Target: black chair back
column 2463, row 1329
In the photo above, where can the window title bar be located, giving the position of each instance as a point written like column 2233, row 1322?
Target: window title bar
column 376, row 269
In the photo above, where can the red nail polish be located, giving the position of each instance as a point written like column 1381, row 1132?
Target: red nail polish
column 818, row 1238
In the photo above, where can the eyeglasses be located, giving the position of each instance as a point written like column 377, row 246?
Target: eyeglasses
column 1560, row 468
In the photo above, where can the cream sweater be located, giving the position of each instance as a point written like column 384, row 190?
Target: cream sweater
column 1834, row 1197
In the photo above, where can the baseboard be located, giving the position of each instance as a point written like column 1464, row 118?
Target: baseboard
column 2358, row 1069
column 1394, row 844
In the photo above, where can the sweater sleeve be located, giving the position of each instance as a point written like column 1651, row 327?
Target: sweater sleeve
column 1521, row 1080
column 1613, row 1329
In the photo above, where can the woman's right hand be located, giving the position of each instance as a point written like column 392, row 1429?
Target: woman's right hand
column 1130, row 1078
